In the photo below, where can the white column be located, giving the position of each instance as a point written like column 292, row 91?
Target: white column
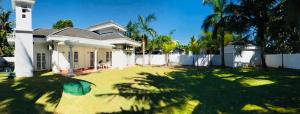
column 70, row 71
column 96, row 60
column 24, row 54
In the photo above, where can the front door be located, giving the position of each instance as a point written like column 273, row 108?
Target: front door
column 92, row 56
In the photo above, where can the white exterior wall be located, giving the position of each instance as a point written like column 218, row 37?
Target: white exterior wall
column 60, row 57
column 23, row 38
column 242, row 56
column 24, row 54
column 247, row 58
column 23, row 23
column 118, row 59
column 41, row 48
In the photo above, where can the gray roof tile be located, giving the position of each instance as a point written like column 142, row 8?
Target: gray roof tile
column 75, row 32
column 43, row 32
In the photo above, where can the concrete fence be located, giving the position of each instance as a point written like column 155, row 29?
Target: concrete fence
column 177, row 59
column 231, row 60
column 287, row 60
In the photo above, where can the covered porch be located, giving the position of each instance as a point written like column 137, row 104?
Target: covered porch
column 71, row 57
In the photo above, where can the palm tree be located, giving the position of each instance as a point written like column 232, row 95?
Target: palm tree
column 5, row 29
column 146, row 30
column 132, row 31
column 194, row 48
column 151, row 46
column 253, row 15
column 216, row 22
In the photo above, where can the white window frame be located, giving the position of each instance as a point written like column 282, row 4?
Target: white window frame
column 108, row 57
column 41, row 61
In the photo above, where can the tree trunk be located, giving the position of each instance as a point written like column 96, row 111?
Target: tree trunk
column 261, row 39
column 194, row 60
column 149, row 58
column 143, row 50
column 166, row 59
column 222, row 49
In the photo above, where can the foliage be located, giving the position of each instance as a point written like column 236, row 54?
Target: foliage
column 140, row 30
column 194, row 45
column 253, row 15
column 132, row 31
column 183, row 47
column 62, row 24
column 168, row 47
column 283, row 32
column 208, row 44
column 5, row 30
column 216, row 23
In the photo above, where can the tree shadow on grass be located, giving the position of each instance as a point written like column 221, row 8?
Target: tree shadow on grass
column 19, row 96
column 244, row 92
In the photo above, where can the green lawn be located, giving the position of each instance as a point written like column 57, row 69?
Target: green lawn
column 158, row 90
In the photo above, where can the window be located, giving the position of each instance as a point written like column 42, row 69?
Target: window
column 75, row 57
column 108, row 57
column 92, row 59
column 69, row 56
column 40, row 61
column 24, row 10
column 23, row 16
column 43, row 61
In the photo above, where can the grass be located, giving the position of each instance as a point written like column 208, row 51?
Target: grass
column 3, row 74
column 158, row 90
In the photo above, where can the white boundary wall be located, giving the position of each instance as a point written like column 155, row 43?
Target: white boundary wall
column 177, row 59
column 289, row 60
column 273, row 60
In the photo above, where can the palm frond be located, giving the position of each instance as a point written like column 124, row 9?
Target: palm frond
column 209, row 21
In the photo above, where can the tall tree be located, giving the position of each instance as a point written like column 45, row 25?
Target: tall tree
column 146, row 31
column 5, row 30
column 151, row 46
column 194, row 47
column 132, row 31
column 216, row 22
column 167, row 48
column 62, row 24
column 253, row 15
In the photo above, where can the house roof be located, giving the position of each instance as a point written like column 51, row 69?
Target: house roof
column 76, row 32
column 111, row 36
column 43, row 33
column 107, row 24
column 114, row 38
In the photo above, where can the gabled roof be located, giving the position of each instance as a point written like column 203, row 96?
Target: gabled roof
column 108, row 24
column 43, row 33
column 76, row 32
column 113, row 38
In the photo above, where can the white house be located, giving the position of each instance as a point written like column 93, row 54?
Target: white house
column 69, row 48
column 242, row 55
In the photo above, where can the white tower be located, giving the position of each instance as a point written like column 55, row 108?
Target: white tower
column 23, row 38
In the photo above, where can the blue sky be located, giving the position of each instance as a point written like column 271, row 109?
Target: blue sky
column 185, row 16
